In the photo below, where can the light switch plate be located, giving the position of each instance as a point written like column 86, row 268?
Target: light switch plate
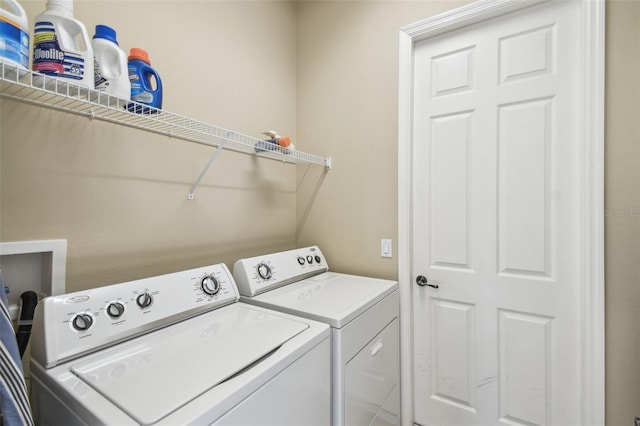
column 386, row 248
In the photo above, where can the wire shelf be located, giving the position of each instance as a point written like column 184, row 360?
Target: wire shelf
column 50, row 92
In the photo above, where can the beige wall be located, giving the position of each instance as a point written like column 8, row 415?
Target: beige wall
column 119, row 195
column 325, row 73
column 622, row 212
column 347, row 108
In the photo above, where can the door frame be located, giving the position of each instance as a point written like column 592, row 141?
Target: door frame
column 592, row 56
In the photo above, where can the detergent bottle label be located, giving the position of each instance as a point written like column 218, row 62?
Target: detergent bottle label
column 50, row 59
column 143, row 97
column 101, row 83
column 14, row 43
column 138, row 92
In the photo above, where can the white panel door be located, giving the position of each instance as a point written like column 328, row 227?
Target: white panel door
column 496, row 221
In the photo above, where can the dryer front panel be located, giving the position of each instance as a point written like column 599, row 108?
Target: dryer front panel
column 371, row 377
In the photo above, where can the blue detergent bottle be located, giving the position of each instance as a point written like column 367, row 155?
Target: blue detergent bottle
column 146, row 86
column 14, row 35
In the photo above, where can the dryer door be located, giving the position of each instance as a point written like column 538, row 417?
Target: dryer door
column 371, row 380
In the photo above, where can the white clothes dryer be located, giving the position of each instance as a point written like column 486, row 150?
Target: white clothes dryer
column 363, row 315
column 176, row 349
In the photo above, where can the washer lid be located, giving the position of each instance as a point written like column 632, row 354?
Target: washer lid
column 155, row 374
column 333, row 298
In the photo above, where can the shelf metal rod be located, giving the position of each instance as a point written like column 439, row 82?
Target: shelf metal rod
column 206, row 169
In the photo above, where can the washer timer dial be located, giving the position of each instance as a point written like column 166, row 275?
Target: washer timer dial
column 210, row 285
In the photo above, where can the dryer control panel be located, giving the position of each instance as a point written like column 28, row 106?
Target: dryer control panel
column 258, row 274
column 70, row 325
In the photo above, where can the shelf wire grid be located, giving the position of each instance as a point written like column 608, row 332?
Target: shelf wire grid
column 59, row 94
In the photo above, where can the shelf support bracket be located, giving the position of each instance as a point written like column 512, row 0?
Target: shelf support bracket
column 206, row 169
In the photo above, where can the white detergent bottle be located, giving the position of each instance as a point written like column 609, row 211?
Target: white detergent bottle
column 14, row 34
column 61, row 45
column 111, row 71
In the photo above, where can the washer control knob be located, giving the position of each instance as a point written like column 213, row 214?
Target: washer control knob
column 82, row 322
column 144, row 300
column 115, row 309
column 264, row 271
column 210, row 285
column 309, row 259
column 318, row 259
column 301, row 260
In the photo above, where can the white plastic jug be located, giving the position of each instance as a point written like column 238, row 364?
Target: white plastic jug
column 61, row 45
column 111, row 71
column 14, row 34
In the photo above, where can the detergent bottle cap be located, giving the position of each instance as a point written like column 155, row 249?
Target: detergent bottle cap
column 66, row 4
column 107, row 33
column 140, row 54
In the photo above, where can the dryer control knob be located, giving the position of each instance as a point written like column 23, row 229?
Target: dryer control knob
column 144, row 300
column 115, row 309
column 264, row 271
column 82, row 322
column 210, row 285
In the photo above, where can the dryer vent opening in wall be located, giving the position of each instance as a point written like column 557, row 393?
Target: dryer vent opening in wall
column 38, row 266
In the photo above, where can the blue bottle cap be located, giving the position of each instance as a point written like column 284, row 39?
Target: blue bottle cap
column 107, row 33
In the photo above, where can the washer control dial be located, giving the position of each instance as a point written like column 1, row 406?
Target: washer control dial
column 144, row 300
column 115, row 309
column 264, row 271
column 82, row 322
column 210, row 285
column 309, row 259
column 301, row 260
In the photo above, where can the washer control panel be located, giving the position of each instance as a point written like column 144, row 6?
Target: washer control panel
column 258, row 274
column 73, row 324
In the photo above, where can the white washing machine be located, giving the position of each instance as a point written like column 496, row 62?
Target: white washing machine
column 362, row 313
column 176, row 349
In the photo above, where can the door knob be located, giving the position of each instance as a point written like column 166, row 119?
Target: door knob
column 421, row 280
